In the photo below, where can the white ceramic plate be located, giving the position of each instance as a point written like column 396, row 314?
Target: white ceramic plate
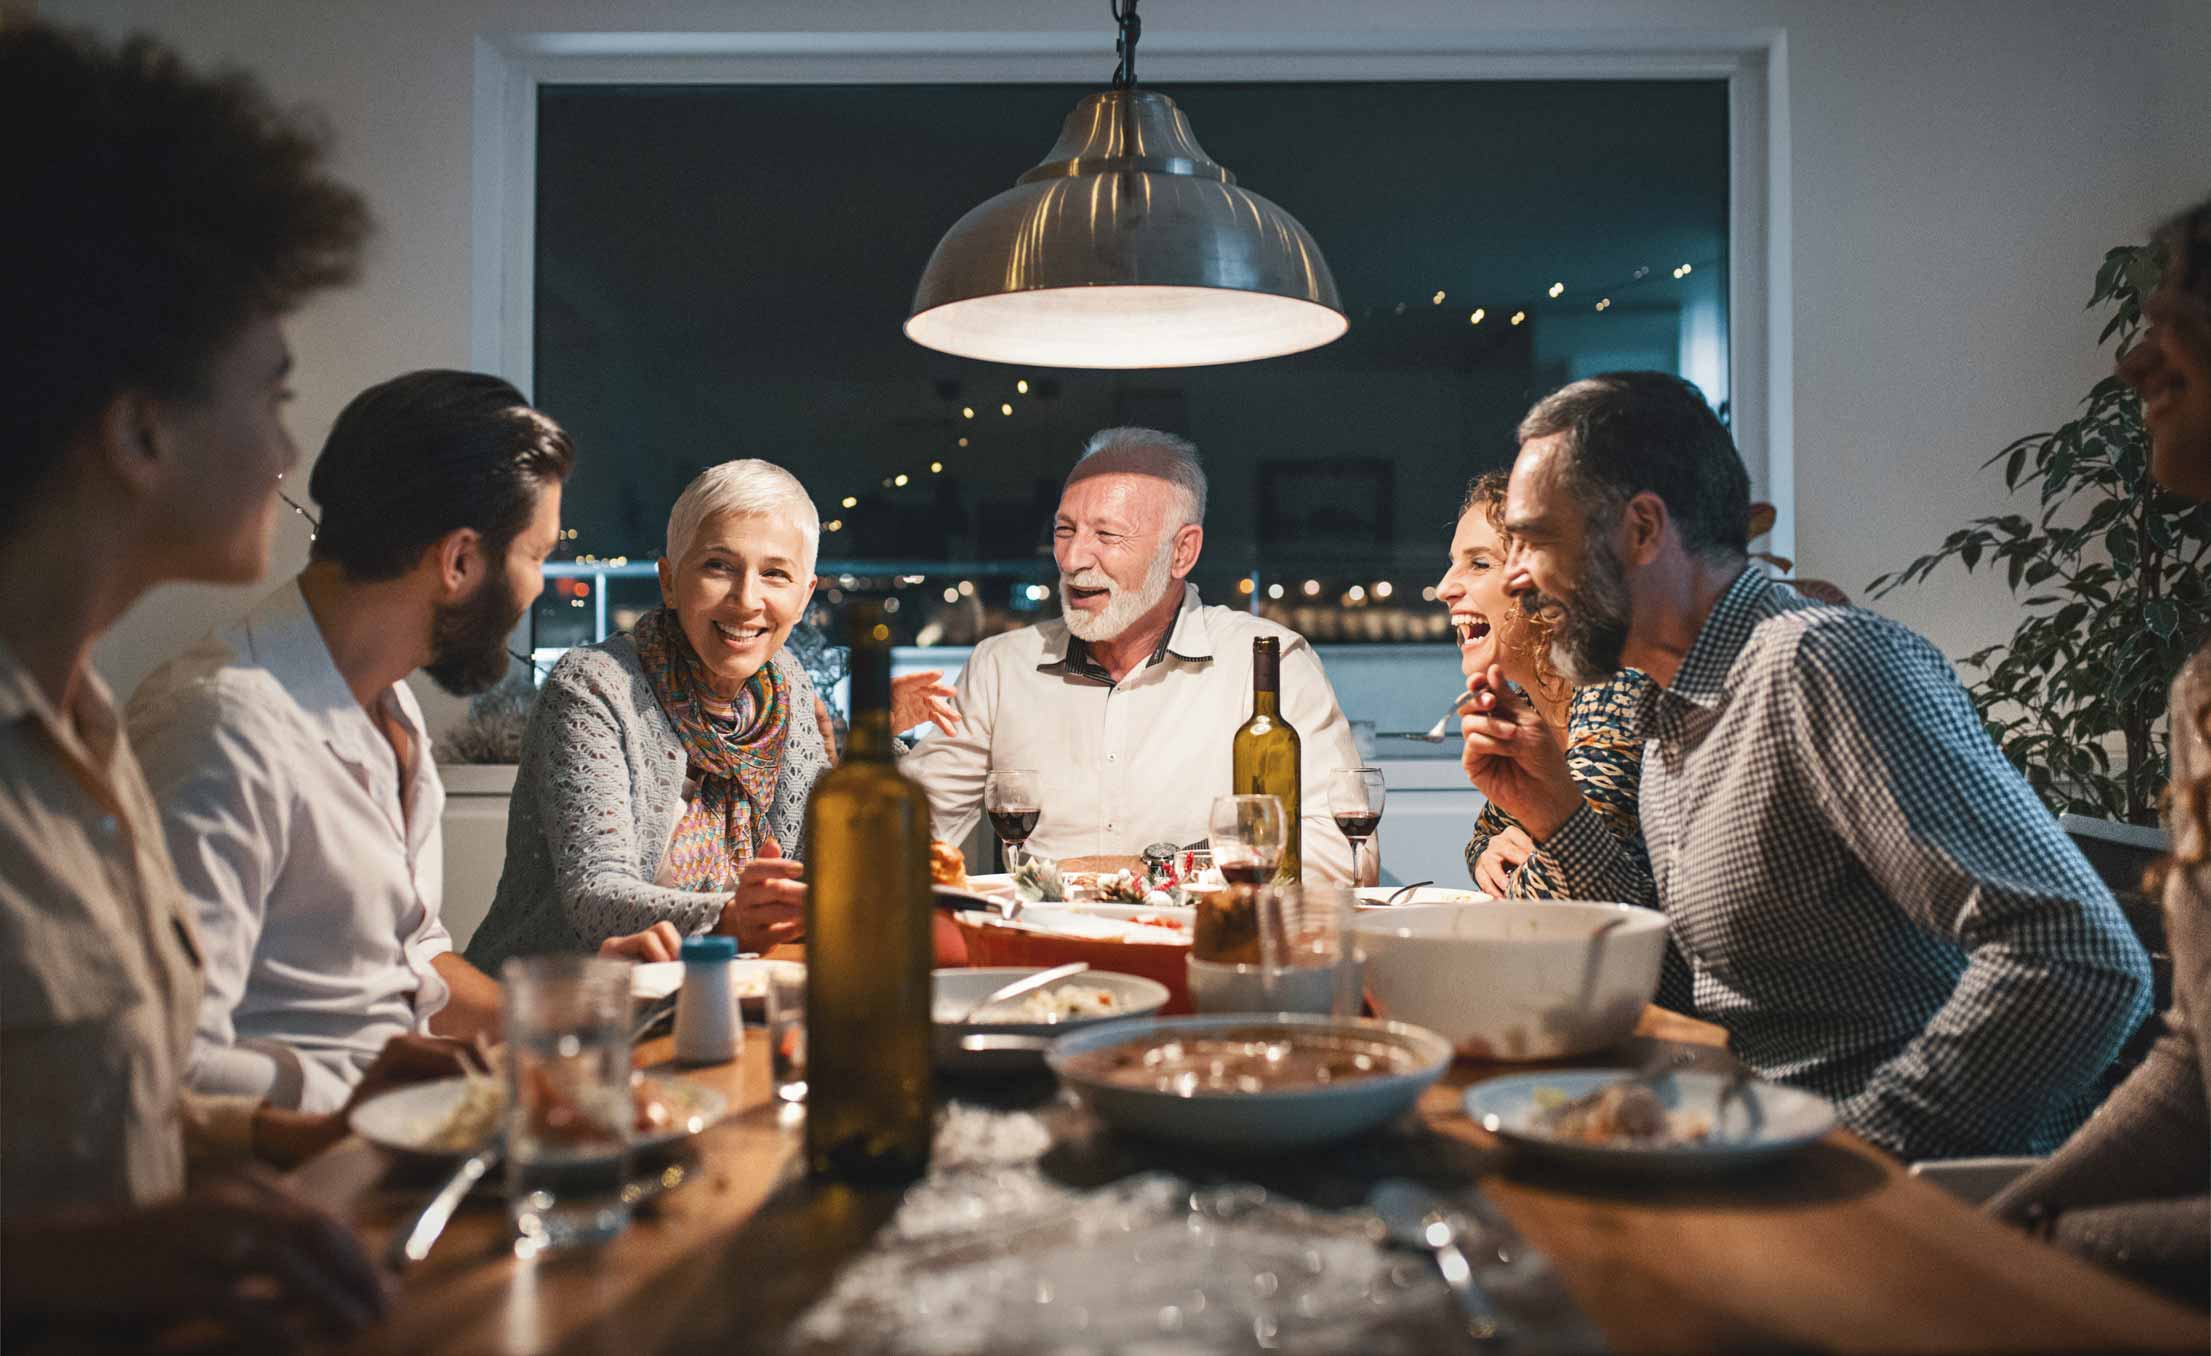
column 958, row 989
column 1286, row 1119
column 406, row 1119
column 1770, row 1121
column 1115, row 922
column 658, row 979
column 1376, row 895
column 995, row 886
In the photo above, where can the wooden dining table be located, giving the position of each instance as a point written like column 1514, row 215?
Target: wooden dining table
column 1836, row 1248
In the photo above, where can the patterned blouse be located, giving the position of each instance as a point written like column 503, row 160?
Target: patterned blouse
column 1606, row 757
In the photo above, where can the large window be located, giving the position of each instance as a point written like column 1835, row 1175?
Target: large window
column 722, row 271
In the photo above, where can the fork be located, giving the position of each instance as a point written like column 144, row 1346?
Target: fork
column 1443, row 722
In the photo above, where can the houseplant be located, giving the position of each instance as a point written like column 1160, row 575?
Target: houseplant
column 2111, row 569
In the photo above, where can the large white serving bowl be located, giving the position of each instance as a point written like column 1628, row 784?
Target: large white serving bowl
column 1509, row 979
column 1259, row 1121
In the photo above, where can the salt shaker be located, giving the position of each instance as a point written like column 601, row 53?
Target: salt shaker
column 707, row 1030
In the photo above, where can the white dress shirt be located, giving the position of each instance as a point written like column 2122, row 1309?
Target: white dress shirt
column 315, row 873
column 1127, row 764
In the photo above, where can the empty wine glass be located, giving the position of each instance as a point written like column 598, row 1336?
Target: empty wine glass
column 1247, row 834
column 1014, row 800
column 1355, row 796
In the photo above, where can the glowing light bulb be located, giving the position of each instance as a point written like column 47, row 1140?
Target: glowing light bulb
column 1437, row 299
column 1357, row 593
column 1557, row 288
column 849, row 501
column 936, row 468
column 967, row 411
column 951, row 595
column 834, row 525
column 1478, row 316
column 1312, row 588
column 899, row 480
column 1005, row 409
column 967, row 588
column 1274, row 590
column 1428, row 594
column 1022, row 386
column 1518, row 316
column 1384, row 589
column 963, row 442
column 1687, row 269
column 1244, row 586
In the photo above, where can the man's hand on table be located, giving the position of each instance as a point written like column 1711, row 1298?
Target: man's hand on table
column 289, row 1138
column 769, row 906
column 239, row 1250
column 1512, row 757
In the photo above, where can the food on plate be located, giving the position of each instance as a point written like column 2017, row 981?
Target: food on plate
column 1624, row 1113
column 483, row 1104
column 1037, row 880
column 1254, row 1059
column 947, row 866
column 1060, row 1003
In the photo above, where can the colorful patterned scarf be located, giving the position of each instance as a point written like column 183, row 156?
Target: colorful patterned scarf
column 735, row 764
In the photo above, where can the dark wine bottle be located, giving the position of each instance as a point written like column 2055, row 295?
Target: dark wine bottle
column 870, row 1095
column 1266, row 759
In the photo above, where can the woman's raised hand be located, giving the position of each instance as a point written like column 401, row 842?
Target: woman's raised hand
column 769, row 906
column 923, row 699
column 1511, row 758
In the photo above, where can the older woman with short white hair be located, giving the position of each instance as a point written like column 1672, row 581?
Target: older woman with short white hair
column 665, row 772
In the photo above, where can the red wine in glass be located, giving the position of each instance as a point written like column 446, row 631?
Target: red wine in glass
column 1015, row 825
column 1247, row 872
column 1359, row 826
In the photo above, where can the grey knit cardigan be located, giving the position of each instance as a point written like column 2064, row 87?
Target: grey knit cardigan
column 596, row 799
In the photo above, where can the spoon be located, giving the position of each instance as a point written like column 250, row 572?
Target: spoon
column 1412, row 1219
column 1042, row 979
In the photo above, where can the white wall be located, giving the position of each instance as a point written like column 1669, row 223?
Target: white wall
column 1959, row 167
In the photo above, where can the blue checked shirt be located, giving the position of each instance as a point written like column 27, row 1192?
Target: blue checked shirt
column 1862, row 891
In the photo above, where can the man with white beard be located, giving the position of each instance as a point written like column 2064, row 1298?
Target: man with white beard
column 1125, row 707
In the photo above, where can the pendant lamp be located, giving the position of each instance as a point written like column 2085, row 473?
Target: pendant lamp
column 1128, row 247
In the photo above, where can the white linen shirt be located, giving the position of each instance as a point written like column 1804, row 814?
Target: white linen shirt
column 1127, row 764
column 316, row 876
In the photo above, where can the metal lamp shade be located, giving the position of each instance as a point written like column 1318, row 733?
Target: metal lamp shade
column 1128, row 247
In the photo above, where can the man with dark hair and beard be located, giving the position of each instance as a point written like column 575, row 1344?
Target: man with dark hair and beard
column 1857, row 885
column 292, row 765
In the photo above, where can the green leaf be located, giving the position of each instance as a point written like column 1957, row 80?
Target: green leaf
column 2162, row 617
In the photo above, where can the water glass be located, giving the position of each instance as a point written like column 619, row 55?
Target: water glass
column 569, row 1106
column 786, row 1004
column 1305, row 964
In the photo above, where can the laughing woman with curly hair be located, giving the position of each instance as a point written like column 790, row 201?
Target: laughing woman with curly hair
column 1592, row 724
column 2132, row 1188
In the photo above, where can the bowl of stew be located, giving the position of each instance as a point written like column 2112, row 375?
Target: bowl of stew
column 1269, row 1082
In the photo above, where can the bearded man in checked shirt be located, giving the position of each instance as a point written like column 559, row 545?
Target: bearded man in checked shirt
column 1857, row 885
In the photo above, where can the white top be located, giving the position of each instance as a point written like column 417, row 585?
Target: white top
column 1139, row 762
column 315, row 874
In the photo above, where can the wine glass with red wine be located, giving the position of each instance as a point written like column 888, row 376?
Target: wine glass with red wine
column 1014, row 800
column 1355, row 796
column 1247, row 834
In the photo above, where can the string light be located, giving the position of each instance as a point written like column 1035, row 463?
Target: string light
column 1312, row 588
column 1478, row 316
column 1518, row 316
column 1605, row 304
column 951, row 595
column 1437, row 299
column 834, row 525
column 967, row 411
column 1005, row 409
column 1357, row 594
column 967, row 588
column 1383, row 589
column 1428, row 594
column 1038, row 593
column 1274, row 590
column 850, row 502
column 1557, row 288
column 1244, row 586
column 963, row 442
column 899, row 480
column 936, row 468
column 1022, row 386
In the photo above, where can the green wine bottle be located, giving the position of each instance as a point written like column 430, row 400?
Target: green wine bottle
column 870, row 1106
column 1266, row 758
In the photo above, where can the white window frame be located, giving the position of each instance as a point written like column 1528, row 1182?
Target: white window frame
column 511, row 67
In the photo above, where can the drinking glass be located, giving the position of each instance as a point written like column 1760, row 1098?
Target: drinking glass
column 1247, row 834
column 787, row 1033
column 1304, row 958
column 569, row 1107
column 1355, row 796
column 1014, row 799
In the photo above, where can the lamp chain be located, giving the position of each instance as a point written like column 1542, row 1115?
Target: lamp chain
column 1132, row 28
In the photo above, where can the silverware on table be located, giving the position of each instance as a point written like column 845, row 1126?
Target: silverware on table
column 414, row 1239
column 1411, row 1217
column 1043, row 979
column 656, row 1012
column 1403, row 890
column 1436, row 732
